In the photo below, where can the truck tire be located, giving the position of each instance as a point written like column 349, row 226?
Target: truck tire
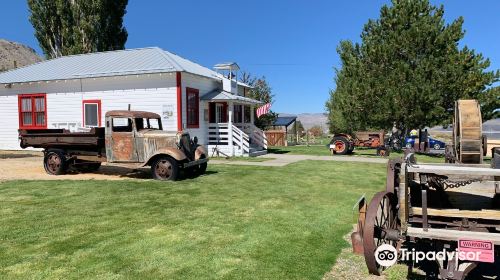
column 202, row 168
column 197, row 170
column 351, row 148
column 165, row 168
column 341, row 145
column 383, row 151
column 54, row 163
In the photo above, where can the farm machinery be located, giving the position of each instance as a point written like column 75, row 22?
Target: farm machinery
column 469, row 144
column 441, row 218
column 343, row 143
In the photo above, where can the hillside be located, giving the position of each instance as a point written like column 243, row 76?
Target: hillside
column 12, row 53
column 309, row 120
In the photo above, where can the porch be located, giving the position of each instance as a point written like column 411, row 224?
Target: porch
column 231, row 129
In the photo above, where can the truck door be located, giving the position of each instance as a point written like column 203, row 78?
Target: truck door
column 122, row 146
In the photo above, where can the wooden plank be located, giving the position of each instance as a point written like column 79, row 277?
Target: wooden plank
column 453, row 235
column 453, row 170
column 456, row 213
column 403, row 197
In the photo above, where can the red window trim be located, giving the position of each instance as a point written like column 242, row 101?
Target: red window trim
column 92, row 101
column 179, row 101
column 33, row 116
column 197, row 109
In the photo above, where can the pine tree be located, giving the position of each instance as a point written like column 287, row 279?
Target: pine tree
column 260, row 91
column 408, row 70
column 65, row 27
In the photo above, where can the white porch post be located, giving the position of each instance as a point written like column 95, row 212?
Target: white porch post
column 230, row 126
column 252, row 114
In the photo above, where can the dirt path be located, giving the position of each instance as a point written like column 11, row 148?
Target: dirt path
column 28, row 166
column 284, row 159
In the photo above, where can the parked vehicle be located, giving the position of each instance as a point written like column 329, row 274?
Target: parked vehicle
column 130, row 138
column 433, row 143
column 343, row 143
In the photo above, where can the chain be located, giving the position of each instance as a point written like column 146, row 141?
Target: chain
column 446, row 183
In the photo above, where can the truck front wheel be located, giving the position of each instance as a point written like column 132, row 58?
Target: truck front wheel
column 55, row 163
column 165, row 168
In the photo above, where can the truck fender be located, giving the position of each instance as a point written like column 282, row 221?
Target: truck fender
column 176, row 154
column 200, row 151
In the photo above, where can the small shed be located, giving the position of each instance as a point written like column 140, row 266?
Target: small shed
column 278, row 136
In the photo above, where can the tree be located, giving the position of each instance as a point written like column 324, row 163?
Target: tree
column 408, row 70
column 260, row 91
column 300, row 128
column 65, row 27
column 316, row 131
column 490, row 104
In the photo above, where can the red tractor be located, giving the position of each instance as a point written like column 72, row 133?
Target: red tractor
column 343, row 143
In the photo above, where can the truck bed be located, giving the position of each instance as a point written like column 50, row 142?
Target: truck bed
column 63, row 139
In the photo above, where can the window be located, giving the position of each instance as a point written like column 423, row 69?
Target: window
column 144, row 123
column 32, row 111
column 248, row 112
column 91, row 113
column 122, row 125
column 193, row 108
column 238, row 109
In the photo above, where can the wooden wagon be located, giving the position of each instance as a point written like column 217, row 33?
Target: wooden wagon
column 432, row 207
column 452, row 208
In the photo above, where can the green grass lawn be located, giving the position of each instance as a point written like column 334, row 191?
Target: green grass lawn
column 236, row 222
column 322, row 150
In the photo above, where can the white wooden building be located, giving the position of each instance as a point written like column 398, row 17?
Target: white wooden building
column 74, row 92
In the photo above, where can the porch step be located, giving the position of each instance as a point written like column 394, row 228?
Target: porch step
column 256, row 147
column 256, row 153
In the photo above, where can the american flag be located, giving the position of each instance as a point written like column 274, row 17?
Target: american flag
column 263, row 110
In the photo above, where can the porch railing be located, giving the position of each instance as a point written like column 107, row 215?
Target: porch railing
column 257, row 136
column 241, row 140
column 229, row 138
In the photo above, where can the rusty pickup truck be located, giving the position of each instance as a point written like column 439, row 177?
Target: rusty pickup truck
column 130, row 138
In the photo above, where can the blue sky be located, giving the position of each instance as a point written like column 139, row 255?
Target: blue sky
column 292, row 43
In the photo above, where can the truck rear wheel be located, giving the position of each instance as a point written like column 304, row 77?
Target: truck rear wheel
column 165, row 168
column 341, row 145
column 55, row 163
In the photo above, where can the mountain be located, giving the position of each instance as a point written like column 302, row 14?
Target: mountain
column 14, row 55
column 491, row 129
column 309, row 120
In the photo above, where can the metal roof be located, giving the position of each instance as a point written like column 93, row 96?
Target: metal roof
column 221, row 95
column 106, row 64
column 284, row 121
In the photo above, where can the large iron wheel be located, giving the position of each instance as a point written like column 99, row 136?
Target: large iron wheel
column 165, row 169
column 55, row 163
column 381, row 227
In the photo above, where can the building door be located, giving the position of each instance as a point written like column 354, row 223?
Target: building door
column 219, row 110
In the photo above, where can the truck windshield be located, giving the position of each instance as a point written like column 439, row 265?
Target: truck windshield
column 144, row 123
